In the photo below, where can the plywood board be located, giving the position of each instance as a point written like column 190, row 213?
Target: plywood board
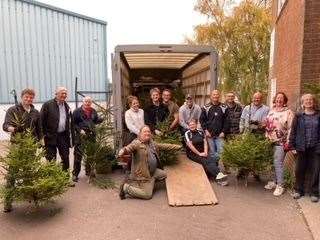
column 188, row 185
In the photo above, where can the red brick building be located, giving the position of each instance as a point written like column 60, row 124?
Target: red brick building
column 295, row 47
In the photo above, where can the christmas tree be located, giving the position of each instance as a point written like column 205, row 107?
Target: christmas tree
column 99, row 152
column 168, row 157
column 248, row 153
column 28, row 178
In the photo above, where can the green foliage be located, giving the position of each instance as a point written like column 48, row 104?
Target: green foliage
column 313, row 88
column 249, row 153
column 28, row 177
column 241, row 35
column 168, row 157
column 168, row 136
column 99, row 152
column 289, row 179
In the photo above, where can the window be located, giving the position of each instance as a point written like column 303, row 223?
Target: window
column 281, row 3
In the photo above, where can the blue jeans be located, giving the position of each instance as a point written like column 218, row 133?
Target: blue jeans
column 215, row 148
column 278, row 161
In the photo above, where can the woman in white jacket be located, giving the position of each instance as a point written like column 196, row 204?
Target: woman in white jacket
column 134, row 117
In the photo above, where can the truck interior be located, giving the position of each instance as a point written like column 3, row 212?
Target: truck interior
column 183, row 68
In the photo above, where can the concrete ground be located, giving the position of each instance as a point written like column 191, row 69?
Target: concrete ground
column 86, row 212
column 311, row 212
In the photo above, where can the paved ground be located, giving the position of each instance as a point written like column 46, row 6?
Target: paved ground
column 86, row 212
column 311, row 211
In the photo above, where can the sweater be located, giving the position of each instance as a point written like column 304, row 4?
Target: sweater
column 186, row 114
column 134, row 120
column 278, row 125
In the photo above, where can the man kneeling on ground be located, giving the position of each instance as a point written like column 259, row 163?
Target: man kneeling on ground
column 145, row 167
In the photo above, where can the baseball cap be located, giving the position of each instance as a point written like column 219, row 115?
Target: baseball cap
column 189, row 96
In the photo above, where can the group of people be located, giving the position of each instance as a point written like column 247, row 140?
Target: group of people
column 205, row 129
column 56, row 126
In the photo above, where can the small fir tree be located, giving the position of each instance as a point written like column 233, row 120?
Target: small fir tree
column 248, row 153
column 168, row 157
column 99, row 152
column 28, row 178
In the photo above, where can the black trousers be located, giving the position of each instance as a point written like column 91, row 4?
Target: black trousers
column 210, row 167
column 308, row 160
column 63, row 147
column 78, row 155
column 182, row 132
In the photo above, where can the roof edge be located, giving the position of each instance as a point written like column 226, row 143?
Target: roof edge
column 61, row 10
column 167, row 48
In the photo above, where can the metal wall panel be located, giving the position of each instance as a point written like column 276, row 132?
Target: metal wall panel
column 44, row 47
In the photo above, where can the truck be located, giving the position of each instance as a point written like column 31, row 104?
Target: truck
column 136, row 69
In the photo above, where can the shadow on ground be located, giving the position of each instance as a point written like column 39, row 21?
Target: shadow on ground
column 29, row 214
column 89, row 213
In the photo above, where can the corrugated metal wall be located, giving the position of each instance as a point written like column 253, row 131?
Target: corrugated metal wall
column 44, row 47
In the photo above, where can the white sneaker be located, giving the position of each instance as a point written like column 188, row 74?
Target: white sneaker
column 279, row 191
column 223, row 183
column 270, row 185
column 221, row 176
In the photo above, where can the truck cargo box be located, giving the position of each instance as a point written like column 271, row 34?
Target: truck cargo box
column 138, row 68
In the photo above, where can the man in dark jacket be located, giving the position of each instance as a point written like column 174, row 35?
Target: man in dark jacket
column 85, row 118
column 234, row 114
column 214, row 122
column 157, row 112
column 19, row 119
column 23, row 116
column 57, row 127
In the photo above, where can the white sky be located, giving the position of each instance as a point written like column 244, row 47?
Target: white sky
column 139, row 21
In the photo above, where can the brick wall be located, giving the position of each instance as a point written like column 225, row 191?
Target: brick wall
column 311, row 43
column 289, row 27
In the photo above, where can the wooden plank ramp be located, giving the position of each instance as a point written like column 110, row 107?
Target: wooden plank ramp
column 188, row 185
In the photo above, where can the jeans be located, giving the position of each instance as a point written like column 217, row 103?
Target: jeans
column 278, row 162
column 209, row 165
column 215, row 148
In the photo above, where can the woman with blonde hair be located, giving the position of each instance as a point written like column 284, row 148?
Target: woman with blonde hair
column 305, row 140
column 134, row 117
